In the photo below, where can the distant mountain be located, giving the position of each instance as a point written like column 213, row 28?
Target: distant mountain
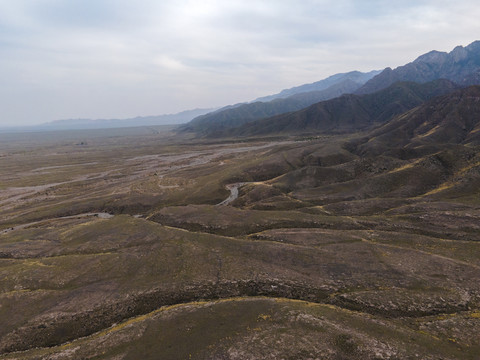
column 449, row 119
column 238, row 115
column 354, row 76
column 347, row 113
column 81, row 124
column 461, row 65
column 168, row 119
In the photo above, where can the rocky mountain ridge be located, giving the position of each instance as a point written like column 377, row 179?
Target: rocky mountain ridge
column 240, row 114
column 344, row 114
column 461, row 65
column 355, row 76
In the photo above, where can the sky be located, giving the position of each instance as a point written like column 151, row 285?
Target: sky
column 63, row 59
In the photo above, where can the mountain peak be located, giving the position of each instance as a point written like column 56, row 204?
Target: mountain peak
column 459, row 53
column 474, row 46
column 434, row 56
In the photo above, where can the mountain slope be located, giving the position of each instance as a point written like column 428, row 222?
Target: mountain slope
column 349, row 113
column 461, row 65
column 355, row 76
column 242, row 114
column 449, row 119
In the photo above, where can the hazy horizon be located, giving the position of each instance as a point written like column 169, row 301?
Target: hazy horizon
column 110, row 59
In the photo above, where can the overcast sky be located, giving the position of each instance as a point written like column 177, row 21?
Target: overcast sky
column 63, row 59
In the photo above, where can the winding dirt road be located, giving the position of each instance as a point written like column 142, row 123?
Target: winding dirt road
column 233, row 192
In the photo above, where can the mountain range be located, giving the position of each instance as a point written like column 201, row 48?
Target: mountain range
column 83, row 124
column 287, row 101
column 347, row 113
column 353, row 76
column 346, row 106
column 461, row 65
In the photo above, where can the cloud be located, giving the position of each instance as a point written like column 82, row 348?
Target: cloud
column 119, row 58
